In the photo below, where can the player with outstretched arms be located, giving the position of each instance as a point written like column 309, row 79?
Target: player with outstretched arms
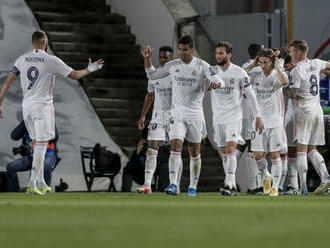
column 37, row 70
column 188, row 75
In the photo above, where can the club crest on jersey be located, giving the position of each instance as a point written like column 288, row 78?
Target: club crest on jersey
column 157, row 83
column 232, row 80
column 246, row 80
column 177, row 70
column 194, row 73
column 212, row 71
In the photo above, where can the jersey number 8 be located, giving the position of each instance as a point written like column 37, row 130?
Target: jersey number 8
column 32, row 74
column 314, row 89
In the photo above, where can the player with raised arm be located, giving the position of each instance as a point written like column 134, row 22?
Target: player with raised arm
column 188, row 75
column 159, row 92
column 227, row 111
column 268, row 88
column 37, row 71
column 309, row 126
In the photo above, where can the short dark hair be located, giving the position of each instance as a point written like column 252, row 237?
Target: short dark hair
column 166, row 49
column 254, row 49
column 186, row 40
column 227, row 45
column 301, row 45
column 287, row 59
column 284, row 52
column 38, row 36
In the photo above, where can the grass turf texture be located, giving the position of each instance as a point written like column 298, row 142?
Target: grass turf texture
column 131, row 220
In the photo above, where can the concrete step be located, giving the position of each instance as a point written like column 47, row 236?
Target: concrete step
column 128, row 142
column 107, row 57
column 95, row 48
column 114, row 83
column 68, row 1
column 116, row 122
column 115, row 93
column 91, row 38
column 82, row 18
column 69, row 7
column 123, row 131
column 116, row 103
column 114, row 113
column 80, row 28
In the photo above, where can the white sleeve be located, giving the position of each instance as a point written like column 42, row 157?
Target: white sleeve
column 16, row 68
column 251, row 96
column 151, row 86
column 321, row 64
column 157, row 73
column 59, row 67
column 211, row 74
column 295, row 78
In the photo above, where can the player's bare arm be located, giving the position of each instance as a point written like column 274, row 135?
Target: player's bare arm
column 11, row 77
column 282, row 75
column 92, row 66
column 149, row 98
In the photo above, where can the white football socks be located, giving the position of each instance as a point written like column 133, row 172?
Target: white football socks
column 318, row 163
column 180, row 173
column 262, row 165
column 293, row 173
column 252, row 171
column 173, row 166
column 302, row 167
column 231, row 169
column 195, row 170
column 276, row 172
column 38, row 162
column 150, row 167
column 284, row 162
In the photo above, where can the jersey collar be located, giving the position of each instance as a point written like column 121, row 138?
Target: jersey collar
column 38, row 51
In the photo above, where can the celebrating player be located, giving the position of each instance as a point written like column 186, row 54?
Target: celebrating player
column 227, row 111
column 37, row 71
column 268, row 87
column 309, row 128
column 159, row 91
column 188, row 87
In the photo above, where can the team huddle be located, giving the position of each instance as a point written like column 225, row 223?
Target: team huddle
column 268, row 109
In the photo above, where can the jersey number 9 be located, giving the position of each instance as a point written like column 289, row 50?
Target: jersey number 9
column 32, row 75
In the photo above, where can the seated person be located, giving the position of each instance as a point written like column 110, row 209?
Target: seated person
column 25, row 162
column 134, row 170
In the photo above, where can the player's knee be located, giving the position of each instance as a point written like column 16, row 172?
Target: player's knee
column 274, row 155
column 152, row 152
column 258, row 155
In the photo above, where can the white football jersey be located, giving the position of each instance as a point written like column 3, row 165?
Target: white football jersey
column 247, row 109
column 163, row 97
column 270, row 98
column 306, row 78
column 37, row 71
column 227, row 102
column 188, row 85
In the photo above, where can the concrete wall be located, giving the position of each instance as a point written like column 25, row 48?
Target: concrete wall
column 76, row 119
column 311, row 22
column 150, row 22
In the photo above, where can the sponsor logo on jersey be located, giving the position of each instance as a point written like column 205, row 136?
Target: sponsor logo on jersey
column 212, row 71
column 232, row 80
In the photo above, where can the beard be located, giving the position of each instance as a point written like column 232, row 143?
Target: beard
column 222, row 62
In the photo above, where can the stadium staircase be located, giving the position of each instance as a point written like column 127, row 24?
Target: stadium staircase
column 78, row 31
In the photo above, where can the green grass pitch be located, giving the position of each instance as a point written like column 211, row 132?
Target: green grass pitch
column 130, row 220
